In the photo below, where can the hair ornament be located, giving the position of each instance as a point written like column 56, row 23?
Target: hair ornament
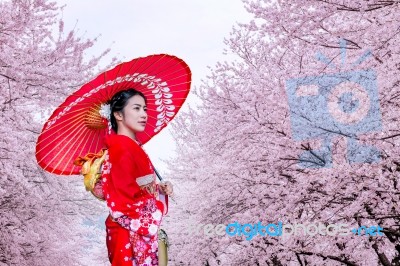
column 105, row 111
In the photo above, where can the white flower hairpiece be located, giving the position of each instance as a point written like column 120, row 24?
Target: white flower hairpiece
column 105, row 111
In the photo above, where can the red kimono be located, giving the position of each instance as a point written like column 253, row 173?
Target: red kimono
column 131, row 192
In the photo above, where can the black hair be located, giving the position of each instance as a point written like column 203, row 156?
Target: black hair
column 119, row 101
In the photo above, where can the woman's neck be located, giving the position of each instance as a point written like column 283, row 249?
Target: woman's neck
column 128, row 133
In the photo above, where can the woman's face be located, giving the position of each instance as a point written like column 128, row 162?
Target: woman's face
column 133, row 117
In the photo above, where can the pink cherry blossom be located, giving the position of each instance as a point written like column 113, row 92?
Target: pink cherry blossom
column 238, row 159
column 41, row 63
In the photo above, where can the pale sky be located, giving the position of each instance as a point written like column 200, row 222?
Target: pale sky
column 192, row 30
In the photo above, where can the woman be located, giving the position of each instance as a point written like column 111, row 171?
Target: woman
column 129, row 186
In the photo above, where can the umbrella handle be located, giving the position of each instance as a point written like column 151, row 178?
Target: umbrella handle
column 172, row 197
column 158, row 174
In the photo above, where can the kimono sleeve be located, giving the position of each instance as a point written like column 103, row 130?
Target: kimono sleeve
column 129, row 206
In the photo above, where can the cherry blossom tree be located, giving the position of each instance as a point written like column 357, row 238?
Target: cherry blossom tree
column 244, row 156
column 43, row 216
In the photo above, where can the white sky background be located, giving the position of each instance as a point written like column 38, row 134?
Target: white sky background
column 192, row 30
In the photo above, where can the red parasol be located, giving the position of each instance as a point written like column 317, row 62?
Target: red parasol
column 76, row 127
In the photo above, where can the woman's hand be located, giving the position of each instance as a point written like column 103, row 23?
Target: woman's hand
column 166, row 188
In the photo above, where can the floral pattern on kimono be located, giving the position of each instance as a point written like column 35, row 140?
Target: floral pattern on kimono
column 135, row 213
